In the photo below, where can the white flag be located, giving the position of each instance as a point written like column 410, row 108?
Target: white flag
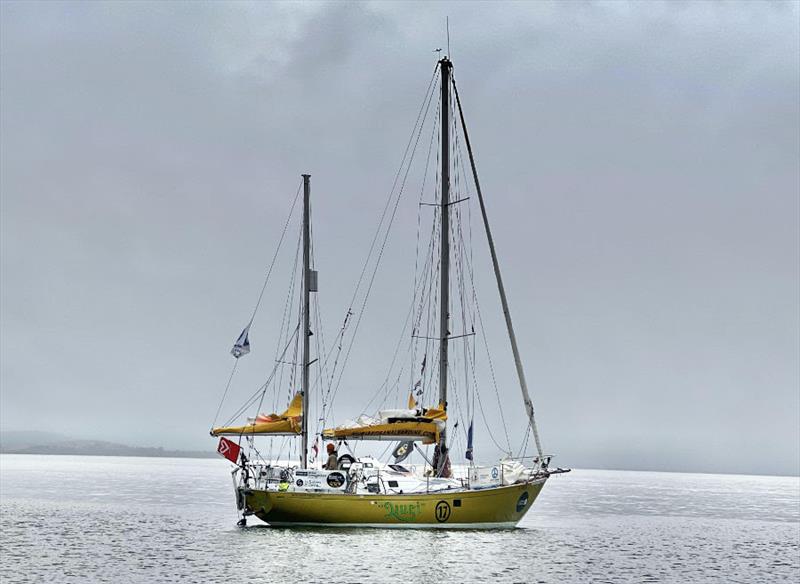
column 242, row 344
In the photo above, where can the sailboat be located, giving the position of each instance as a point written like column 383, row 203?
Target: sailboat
column 364, row 490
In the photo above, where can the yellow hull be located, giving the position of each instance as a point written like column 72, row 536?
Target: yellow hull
column 499, row 507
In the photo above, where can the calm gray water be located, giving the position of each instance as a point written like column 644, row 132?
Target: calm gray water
column 104, row 519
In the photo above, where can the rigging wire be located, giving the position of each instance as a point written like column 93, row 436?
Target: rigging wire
column 319, row 338
column 426, row 279
column 524, row 446
column 338, row 346
column 394, row 184
column 225, row 393
column 286, row 318
column 384, row 385
column 275, row 255
column 482, row 327
column 260, row 296
column 418, row 131
column 506, row 312
column 491, row 366
column 263, row 386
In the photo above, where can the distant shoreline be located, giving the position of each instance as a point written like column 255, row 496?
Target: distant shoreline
column 36, row 442
column 133, row 453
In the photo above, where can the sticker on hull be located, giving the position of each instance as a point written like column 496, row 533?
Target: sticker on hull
column 522, row 502
column 442, row 511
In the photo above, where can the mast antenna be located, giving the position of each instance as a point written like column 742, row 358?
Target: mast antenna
column 447, row 26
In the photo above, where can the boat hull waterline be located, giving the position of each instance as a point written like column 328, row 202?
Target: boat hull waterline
column 491, row 508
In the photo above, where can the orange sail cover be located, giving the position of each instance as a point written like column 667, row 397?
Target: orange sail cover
column 287, row 423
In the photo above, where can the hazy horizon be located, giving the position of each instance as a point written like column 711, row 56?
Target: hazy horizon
column 212, row 454
column 641, row 164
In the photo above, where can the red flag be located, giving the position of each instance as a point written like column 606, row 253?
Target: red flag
column 229, row 449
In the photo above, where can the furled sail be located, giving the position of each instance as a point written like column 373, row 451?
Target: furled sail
column 421, row 424
column 287, row 423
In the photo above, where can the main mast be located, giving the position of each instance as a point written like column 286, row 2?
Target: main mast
column 444, row 285
column 306, row 306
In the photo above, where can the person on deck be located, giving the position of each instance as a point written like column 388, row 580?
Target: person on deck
column 446, row 471
column 333, row 459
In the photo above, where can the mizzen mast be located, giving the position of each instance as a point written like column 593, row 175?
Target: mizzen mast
column 444, row 286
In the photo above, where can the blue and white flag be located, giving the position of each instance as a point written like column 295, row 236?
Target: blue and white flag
column 468, row 454
column 242, row 345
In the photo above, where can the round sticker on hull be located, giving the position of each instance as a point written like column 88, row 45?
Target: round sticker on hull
column 442, row 511
column 522, row 502
column 335, row 480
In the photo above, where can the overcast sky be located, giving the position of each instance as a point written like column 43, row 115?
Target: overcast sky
column 640, row 163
